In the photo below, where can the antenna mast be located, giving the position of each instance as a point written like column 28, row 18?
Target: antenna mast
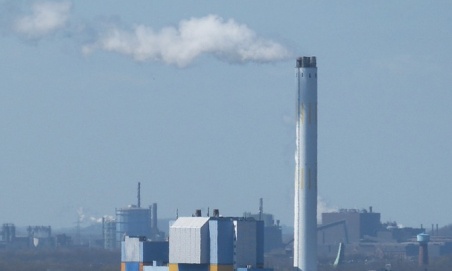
column 139, row 195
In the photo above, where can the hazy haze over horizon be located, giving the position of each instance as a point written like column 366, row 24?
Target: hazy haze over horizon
column 197, row 102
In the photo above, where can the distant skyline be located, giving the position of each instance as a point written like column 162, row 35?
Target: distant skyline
column 196, row 100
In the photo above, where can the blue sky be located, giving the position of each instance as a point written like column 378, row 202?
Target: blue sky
column 196, row 100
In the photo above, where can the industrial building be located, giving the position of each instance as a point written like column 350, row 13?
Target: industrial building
column 360, row 226
column 134, row 220
column 109, row 233
column 362, row 233
column 8, row 233
column 40, row 236
column 137, row 252
column 272, row 228
column 202, row 244
column 36, row 237
column 356, row 225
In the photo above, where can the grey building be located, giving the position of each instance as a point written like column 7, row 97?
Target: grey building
column 349, row 226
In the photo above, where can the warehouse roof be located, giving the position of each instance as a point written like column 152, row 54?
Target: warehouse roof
column 190, row 222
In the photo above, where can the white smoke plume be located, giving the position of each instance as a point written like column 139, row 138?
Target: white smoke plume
column 83, row 218
column 225, row 39
column 323, row 207
column 98, row 220
column 80, row 215
column 95, row 220
column 178, row 45
column 46, row 18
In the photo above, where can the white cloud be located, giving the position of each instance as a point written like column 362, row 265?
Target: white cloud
column 46, row 18
column 227, row 40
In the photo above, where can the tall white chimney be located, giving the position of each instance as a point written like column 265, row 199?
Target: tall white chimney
column 305, row 224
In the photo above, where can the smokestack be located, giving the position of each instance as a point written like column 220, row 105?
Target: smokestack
column 198, row 213
column 139, row 195
column 261, row 208
column 216, row 213
column 305, row 211
column 154, row 217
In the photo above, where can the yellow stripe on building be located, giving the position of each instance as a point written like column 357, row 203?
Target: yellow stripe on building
column 173, row 267
column 220, row 267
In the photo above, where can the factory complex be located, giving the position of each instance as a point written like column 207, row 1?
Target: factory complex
column 199, row 244
column 253, row 242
